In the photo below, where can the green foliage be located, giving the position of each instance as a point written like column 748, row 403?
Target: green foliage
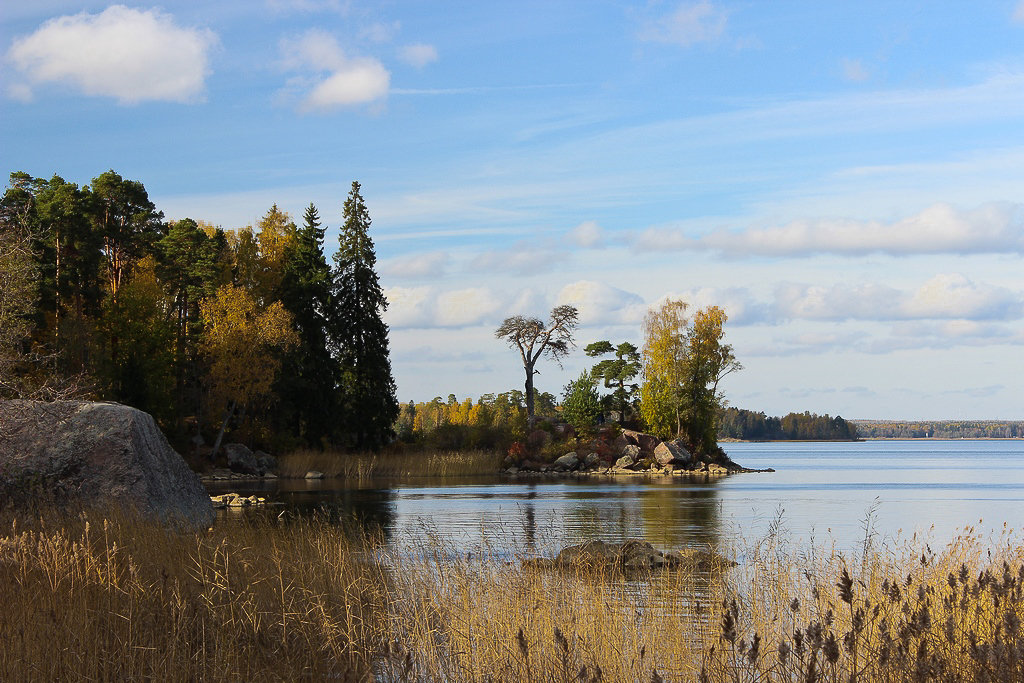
column 684, row 361
column 359, row 337
column 616, row 373
column 307, row 384
column 95, row 286
column 535, row 339
column 736, row 423
column 581, row 404
column 939, row 429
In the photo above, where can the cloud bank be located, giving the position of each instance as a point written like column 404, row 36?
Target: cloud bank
column 940, row 229
column 128, row 54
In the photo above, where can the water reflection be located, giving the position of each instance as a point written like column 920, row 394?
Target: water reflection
column 509, row 515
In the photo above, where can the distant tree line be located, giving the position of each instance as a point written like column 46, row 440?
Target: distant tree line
column 736, row 423
column 940, row 429
column 248, row 332
column 494, row 421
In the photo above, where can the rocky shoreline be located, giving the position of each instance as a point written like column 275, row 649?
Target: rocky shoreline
column 629, row 453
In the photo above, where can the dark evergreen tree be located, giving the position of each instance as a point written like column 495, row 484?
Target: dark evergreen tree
column 360, row 337
column 308, row 379
column 188, row 269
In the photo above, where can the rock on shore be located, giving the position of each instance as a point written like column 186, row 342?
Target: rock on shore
column 99, row 455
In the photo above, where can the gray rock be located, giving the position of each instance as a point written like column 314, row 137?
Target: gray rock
column 567, row 462
column 265, row 462
column 632, row 450
column 671, row 453
column 647, row 442
column 240, row 459
column 624, row 462
column 592, row 460
column 631, row 556
column 314, row 474
column 97, row 455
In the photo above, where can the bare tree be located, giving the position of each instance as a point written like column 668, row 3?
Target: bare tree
column 25, row 373
column 535, row 339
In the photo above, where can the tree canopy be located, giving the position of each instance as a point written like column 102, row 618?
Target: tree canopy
column 683, row 363
column 534, row 338
column 192, row 322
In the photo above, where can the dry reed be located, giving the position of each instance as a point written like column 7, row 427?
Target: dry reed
column 358, row 466
column 123, row 599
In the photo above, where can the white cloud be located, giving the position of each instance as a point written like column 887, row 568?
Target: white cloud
column 939, row 229
column 952, row 295
column 469, row 306
column 128, row 54
column 689, row 24
column 739, row 303
column 587, row 234
column 943, row 297
column 380, row 32
column 430, row 264
column 333, row 79
column 427, row 307
column 853, row 70
column 1018, row 12
column 407, row 306
column 340, row 6
column 599, row 303
column 418, row 55
column 524, row 258
column 836, row 302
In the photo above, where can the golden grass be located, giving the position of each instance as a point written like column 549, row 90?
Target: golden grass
column 402, row 464
column 124, row 599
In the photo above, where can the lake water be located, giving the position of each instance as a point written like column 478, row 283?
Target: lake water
column 823, row 492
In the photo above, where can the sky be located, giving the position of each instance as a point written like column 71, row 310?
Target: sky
column 844, row 179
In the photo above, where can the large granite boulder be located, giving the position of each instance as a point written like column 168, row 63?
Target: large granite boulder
column 647, row 442
column 241, row 459
column 566, row 463
column 672, row 453
column 102, row 455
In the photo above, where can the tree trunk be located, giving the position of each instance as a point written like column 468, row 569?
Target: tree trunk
column 223, row 426
column 530, row 419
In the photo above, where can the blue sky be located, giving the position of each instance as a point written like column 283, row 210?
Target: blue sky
column 843, row 178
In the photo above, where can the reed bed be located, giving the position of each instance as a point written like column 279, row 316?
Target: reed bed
column 96, row 599
column 418, row 463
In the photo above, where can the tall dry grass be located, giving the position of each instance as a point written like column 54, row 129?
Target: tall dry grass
column 97, row 600
column 123, row 599
column 397, row 464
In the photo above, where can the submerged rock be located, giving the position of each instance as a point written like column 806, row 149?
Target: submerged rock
column 98, row 455
column 631, row 556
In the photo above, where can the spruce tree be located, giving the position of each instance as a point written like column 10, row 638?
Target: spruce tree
column 307, row 383
column 360, row 337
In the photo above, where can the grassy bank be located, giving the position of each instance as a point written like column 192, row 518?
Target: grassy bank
column 124, row 599
column 390, row 464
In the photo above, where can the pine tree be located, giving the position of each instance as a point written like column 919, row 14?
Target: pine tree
column 306, row 385
column 360, row 337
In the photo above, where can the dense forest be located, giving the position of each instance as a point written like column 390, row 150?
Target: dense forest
column 940, row 429
column 737, row 423
column 248, row 331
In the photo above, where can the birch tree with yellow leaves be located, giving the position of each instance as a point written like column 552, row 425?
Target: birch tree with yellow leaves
column 684, row 361
column 241, row 340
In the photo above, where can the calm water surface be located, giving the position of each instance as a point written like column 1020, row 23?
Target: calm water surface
column 820, row 491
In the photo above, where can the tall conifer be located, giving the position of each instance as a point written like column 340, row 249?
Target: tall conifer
column 308, row 381
column 360, row 337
